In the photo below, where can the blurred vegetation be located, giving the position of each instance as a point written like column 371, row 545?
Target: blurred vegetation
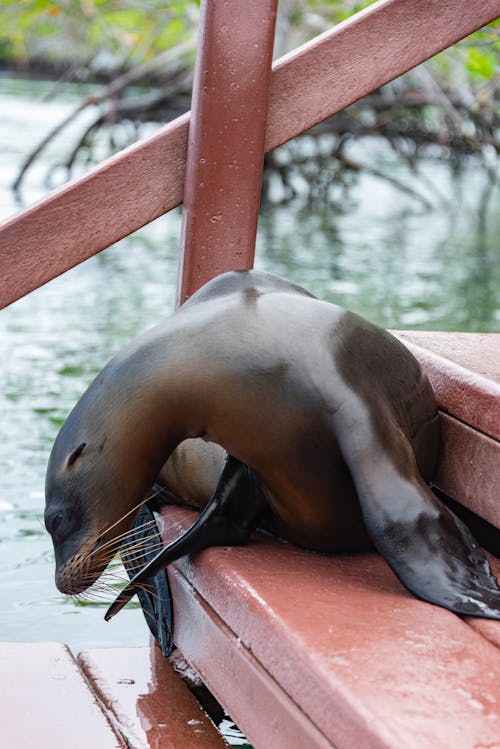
column 143, row 55
column 91, row 38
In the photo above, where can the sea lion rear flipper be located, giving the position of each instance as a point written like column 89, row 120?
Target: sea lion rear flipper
column 431, row 551
column 229, row 518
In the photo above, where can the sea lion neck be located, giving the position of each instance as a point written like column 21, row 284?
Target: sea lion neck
column 161, row 378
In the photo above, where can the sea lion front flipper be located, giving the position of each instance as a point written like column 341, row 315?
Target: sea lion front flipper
column 156, row 602
column 229, row 518
column 431, row 551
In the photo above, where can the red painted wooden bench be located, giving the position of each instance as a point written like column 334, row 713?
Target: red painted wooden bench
column 46, row 704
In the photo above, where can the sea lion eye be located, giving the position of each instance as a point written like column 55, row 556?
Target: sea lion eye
column 55, row 523
column 54, row 519
column 76, row 454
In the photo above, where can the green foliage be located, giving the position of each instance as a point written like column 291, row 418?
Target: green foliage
column 304, row 14
column 481, row 63
column 477, row 57
column 77, row 30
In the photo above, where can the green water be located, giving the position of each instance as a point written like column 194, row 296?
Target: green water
column 381, row 254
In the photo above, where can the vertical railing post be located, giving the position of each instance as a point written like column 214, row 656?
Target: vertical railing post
column 226, row 140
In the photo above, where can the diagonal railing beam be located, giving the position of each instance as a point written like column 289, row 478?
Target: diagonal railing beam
column 147, row 179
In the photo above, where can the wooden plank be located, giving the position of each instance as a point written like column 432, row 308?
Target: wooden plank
column 226, row 140
column 368, row 664
column 479, row 353
column 469, row 468
column 464, row 369
column 150, row 702
column 46, row 702
column 147, row 179
column 258, row 704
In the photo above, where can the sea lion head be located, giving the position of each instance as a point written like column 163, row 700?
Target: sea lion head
column 101, row 467
column 75, row 513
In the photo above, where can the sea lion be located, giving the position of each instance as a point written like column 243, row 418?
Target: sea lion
column 329, row 424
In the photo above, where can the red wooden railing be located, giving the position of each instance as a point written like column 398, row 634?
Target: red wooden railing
column 146, row 180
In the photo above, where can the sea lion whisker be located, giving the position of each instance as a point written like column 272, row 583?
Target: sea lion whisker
column 106, row 583
column 117, row 543
column 135, row 533
column 154, row 493
column 137, row 559
column 150, row 590
column 144, row 542
column 107, row 590
column 108, row 553
column 135, row 565
column 84, row 597
column 114, row 539
column 126, row 514
column 109, row 578
column 113, row 552
column 142, row 545
column 149, row 614
column 133, row 568
column 110, row 549
column 129, row 533
column 136, row 529
column 94, row 593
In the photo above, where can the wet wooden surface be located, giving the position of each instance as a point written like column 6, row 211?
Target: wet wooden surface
column 118, row 698
column 148, row 700
column 46, row 703
column 464, row 369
